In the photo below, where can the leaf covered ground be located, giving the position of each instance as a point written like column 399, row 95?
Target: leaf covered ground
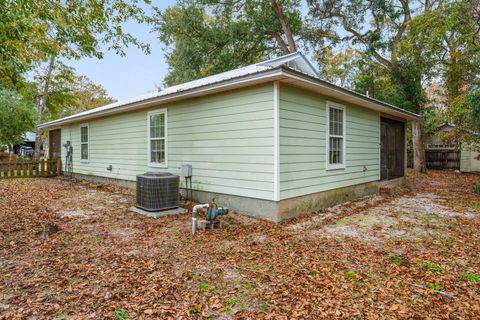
column 414, row 255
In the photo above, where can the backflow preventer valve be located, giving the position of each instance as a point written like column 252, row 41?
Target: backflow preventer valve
column 213, row 212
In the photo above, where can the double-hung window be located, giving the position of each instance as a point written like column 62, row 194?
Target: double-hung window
column 84, row 140
column 335, row 136
column 157, row 138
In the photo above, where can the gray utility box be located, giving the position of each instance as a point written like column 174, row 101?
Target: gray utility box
column 157, row 191
column 186, row 170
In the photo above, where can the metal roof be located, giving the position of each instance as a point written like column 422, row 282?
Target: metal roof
column 264, row 70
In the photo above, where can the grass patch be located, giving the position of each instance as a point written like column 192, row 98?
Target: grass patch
column 430, row 266
column 470, row 277
column 236, row 302
column 252, row 266
column 240, row 300
column 430, row 219
column 476, row 189
column 475, row 205
column 350, row 274
column 399, row 260
column 121, row 314
column 247, row 288
column 205, row 287
column 232, row 301
column 343, row 222
column 434, row 286
column 263, row 304
column 315, row 274
column 94, row 239
column 449, row 242
column 53, row 298
column 67, row 238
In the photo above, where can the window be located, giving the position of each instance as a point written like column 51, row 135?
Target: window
column 335, row 136
column 157, row 138
column 84, row 142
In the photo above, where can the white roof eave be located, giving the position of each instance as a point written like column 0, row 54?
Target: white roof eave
column 304, row 74
column 145, row 101
column 331, row 90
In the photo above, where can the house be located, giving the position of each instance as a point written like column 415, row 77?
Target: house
column 269, row 139
column 442, row 154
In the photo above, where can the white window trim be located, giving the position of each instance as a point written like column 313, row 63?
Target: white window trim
column 334, row 105
column 85, row 125
column 156, row 164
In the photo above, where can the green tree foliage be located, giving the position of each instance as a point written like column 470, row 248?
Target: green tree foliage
column 38, row 33
column 465, row 115
column 206, row 37
column 86, row 95
column 451, row 38
column 17, row 116
column 69, row 93
column 342, row 67
column 377, row 29
column 32, row 31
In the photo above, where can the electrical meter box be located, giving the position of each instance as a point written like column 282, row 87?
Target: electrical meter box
column 186, row 170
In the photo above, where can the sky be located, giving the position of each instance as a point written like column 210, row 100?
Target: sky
column 136, row 73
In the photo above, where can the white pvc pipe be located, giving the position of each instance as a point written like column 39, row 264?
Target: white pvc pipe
column 194, row 215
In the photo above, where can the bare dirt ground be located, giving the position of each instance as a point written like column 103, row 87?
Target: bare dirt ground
column 414, row 255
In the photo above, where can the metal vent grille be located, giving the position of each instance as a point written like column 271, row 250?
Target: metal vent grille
column 157, row 191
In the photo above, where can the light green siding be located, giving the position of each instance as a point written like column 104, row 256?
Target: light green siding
column 303, row 151
column 227, row 138
column 469, row 160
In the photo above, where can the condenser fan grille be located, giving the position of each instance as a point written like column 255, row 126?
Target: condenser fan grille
column 157, row 191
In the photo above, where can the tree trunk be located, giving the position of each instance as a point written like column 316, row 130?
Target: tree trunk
column 285, row 27
column 41, row 105
column 418, row 149
column 281, row 43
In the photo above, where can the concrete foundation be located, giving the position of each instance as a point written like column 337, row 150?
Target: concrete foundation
column 158, row 214
column 294, row 207
column 272, row 210
column 260, row 208
column 105, row 180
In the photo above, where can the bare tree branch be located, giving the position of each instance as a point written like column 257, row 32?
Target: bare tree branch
column 360, row 37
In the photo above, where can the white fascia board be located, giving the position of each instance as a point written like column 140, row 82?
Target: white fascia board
column 330, row 90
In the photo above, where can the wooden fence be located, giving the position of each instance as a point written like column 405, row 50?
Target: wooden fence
column 29, row 169
column 442, row 159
